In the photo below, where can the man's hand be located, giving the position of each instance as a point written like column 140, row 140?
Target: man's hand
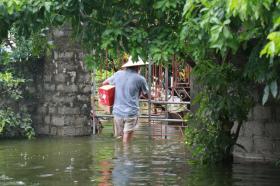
column 106, row 82
column 144, row 96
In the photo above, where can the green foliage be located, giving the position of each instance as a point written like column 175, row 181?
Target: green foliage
column 226, row 95
column 224, row 99
column 144, row 28
column 102, row 75
column 15, row 124
column 9, row 86
column 12, row 124
column 14, row 53
column 272, row 48
column 134, row 27
column 207, row 141
column 237, row 29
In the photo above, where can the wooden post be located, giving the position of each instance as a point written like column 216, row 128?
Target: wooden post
column 150, row 88
column 166, row 99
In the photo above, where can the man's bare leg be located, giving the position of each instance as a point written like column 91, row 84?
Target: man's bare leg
column 127, row 136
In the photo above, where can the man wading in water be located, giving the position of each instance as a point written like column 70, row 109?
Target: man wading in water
column 129, row 85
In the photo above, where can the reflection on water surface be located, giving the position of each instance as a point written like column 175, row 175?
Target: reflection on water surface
column 104, row 161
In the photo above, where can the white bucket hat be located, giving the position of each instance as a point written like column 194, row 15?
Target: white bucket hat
column 131, row 63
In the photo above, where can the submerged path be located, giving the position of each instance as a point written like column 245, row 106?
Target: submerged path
column 102, row 160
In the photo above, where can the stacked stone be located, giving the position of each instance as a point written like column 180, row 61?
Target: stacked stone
column 65, row 105
column 260, row 135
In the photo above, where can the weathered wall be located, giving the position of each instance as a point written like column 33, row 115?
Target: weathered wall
column 260, row 135
column 64, row 104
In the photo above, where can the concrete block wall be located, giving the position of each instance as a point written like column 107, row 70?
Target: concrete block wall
column 64, row 106
column 260, row 135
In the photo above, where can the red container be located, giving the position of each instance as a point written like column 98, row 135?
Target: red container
column 106, row 95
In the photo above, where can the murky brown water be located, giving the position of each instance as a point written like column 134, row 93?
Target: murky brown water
column 103, row 161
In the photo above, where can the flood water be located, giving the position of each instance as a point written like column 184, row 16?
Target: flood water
column 103, row 161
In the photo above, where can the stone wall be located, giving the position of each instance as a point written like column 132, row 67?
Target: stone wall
column 260, row 135
column 64, row 104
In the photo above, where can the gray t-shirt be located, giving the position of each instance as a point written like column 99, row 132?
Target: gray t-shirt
column 128, row 85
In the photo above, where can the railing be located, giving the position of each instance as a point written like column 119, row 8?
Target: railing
column 164, row 118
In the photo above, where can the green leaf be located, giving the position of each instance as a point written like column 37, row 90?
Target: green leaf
column 215, row 20
column 264, row 50
column 267, row 4
column 233, row 4
column 276, row 22
column 265, row 95
column 227, row 32
column 159, row 4
column 227, row 22
column 48, row 6
column 189, row 7
column 274, row 36
column 274, row 88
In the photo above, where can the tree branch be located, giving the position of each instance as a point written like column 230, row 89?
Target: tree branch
column 236, row 134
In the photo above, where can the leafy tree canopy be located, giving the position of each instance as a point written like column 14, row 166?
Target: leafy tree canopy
column 153, row 28
column 137, row 27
